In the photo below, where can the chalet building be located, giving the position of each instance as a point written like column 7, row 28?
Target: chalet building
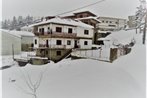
column 57, row 36
column 103, row 26
column 86, row 17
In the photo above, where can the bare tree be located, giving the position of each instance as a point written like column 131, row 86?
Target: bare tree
column 32, row 86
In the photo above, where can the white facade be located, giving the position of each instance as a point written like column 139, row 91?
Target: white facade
column 7, row 40
column 109, row 23
column 72, row 33
column 83, row 45
column 52, row 42
column 80, row 32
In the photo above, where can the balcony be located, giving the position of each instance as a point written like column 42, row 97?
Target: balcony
column 44, row 46
column 56, row 35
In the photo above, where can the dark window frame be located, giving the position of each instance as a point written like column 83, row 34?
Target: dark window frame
column 70, row 30
column 58, row 42
column 58, row 53
column 85, row 42
column 68, row 42
column 59, row 29
column 86, row 32
column 35, row 41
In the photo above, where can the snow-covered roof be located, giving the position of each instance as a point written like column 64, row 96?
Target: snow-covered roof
column 123, row 37
column 18, row 33
column 103, row 39
column 8, row 32
column 90, row 17
column 26, row 27
column 58, row 20
column 23, row 33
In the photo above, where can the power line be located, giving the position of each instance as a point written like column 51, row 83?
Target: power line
column 80, row 7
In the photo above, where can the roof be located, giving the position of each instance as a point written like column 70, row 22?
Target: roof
column 90, row 17
column 18, row 33
column 123, row 37
column 85, row 12
column 58, row 20
column 8, row 32
column 110, row 18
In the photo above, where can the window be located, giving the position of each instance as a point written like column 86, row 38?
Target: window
column 86, row 32
column 106, row 21
column 69, row 30
column 116, row 22
column 48, row 30
column 110, row 21
column 35, row 41
column 58, row 42
column 112, row 25
column 68, row 42
column 58, row 53
column 47, row 52
column 40, row 30
column 85, row 42
column 103, row 21
column 58, row 29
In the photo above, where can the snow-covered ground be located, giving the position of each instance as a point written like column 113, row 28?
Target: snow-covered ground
column 83, row 78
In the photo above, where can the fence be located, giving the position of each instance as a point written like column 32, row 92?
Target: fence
column 98, row 54
column 104, row 53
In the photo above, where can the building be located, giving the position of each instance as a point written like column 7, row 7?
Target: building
column 26, row 39
column 85, row 16
column 111, row 23
column 9, row 40
column 107, row 26
column 132, row 21
column 57, row 36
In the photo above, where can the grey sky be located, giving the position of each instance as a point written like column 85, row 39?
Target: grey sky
column 116, row 8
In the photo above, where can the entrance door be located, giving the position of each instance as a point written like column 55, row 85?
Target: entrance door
column 76, row 44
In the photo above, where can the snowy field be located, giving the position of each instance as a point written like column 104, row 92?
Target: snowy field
column 83, row 78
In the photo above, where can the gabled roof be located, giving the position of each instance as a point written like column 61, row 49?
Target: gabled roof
column 109, row 18
column 62, row 21
column 18, row 33
column 90, row 17
column 85, row 12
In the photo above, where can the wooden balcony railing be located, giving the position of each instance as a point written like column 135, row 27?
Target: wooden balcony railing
column 52, row 46
column 56, row 34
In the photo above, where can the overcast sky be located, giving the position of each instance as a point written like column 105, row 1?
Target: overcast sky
column 115, row 8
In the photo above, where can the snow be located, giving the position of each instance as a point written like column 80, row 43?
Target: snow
column 65, row 21
column 8, row 31
column 83, row 78
column 122, row 36
column 90, row 17
column 18, row 33
column 22, row 33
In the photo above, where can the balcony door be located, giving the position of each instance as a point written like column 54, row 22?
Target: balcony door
column 76, row 44
column 47, row 45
